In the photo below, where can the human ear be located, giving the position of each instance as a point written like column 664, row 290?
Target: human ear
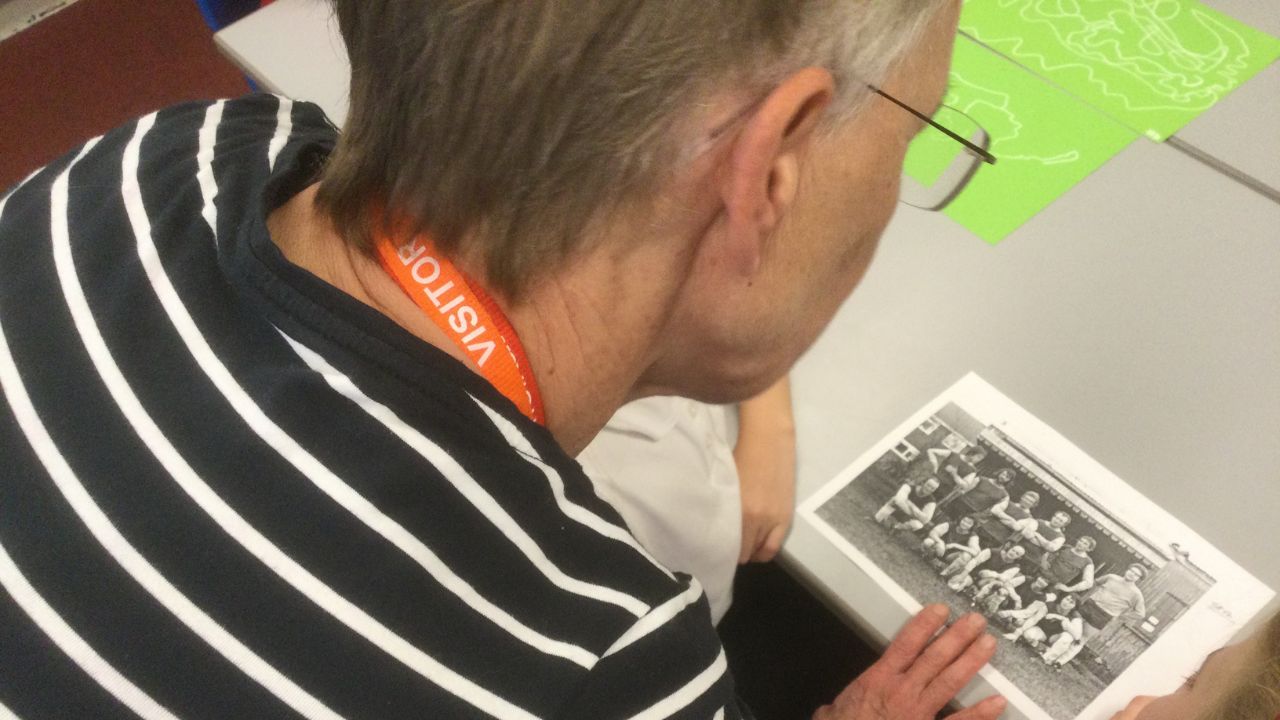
column 762, row 174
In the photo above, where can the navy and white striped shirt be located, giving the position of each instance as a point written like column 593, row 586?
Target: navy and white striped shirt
column 228, row 490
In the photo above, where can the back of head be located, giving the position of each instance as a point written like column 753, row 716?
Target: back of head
column 1256, row 695
column 504, row 128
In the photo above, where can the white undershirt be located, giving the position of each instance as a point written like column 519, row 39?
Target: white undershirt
column 666, row 464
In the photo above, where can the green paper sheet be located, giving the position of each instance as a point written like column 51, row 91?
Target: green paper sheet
column 1154, row 65
column 1044, row 140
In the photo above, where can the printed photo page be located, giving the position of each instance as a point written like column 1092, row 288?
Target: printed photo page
column 1094, row 593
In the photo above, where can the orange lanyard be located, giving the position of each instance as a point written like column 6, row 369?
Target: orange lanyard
column 471, row 319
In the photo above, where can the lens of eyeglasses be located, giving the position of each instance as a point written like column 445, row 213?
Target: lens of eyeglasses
column 937, row 167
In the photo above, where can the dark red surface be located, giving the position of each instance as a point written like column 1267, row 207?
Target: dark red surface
column 97, row 64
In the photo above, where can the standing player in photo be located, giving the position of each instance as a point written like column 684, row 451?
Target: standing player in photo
column 956, row 459
column 1049, row 536
column 1113, row 596
column 1017, row 517
column 1071, row 569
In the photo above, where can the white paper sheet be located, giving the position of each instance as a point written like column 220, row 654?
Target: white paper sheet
column 1194, row 598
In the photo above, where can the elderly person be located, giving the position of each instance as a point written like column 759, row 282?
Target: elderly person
column 290, row 416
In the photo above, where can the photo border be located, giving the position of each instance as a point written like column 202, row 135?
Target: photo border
column 1207, row 624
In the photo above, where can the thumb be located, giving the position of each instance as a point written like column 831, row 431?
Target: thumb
column 771, row 545
column 751, row 538
column 988, row 709
column 1134, row 707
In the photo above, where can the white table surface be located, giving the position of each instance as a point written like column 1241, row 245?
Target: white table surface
column 1139, row 320
column 1243, row 129
column 293, row 47
column 1261, row 14
column 1139, row 315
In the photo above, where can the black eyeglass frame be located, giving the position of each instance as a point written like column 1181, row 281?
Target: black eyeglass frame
column 973, row 149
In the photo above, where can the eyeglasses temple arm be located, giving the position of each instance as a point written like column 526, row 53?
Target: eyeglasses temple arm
column 976, row 150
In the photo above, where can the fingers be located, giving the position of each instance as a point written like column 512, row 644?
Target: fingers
column 958, row 673
column 988, row 709
column 1134, row 707
column 944, row 651
column 768, row 549
column 913, row 637
column 748, row 545
column 762, row 541
column 754, row 536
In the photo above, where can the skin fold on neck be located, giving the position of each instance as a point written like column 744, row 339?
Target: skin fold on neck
column 585, row 331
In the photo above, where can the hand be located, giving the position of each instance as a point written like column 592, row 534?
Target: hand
column 765, row 455
column 767, row 479
column 917, row 677
column 1134, row 708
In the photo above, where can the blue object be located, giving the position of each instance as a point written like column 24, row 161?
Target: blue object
column 221, row 13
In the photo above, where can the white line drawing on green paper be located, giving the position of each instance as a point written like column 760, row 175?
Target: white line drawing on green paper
column 1175, row 64
column 992, row 109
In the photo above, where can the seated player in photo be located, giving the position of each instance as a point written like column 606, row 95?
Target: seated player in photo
column 1063, row 629
column 1005, row 583
column 993, row 599
column 1037, row 589
column 911, row 508
column 1071, row 568
column 1236, row 682
column 1034, row 605
column 1003, row 561
column 950, row 537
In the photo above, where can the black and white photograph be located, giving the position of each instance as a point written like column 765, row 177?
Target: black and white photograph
column 975, row 503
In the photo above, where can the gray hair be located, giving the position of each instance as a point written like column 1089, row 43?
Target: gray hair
column 502, row 128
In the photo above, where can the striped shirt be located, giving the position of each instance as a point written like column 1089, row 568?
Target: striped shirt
column 229, row 490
